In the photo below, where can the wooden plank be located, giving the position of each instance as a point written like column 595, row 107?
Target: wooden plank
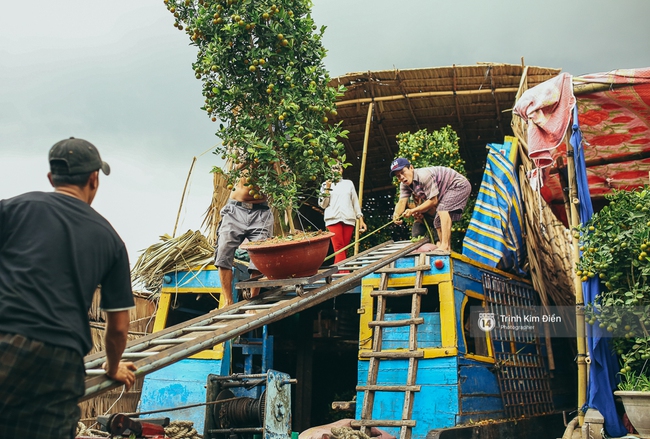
column 399, row 293
column 380, row 388
column 382, row 423
column 396, row 323
column 403, row 270
column 386, row 355
column 262, row 282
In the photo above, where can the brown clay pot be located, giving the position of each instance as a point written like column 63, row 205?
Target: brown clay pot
column 289, row 259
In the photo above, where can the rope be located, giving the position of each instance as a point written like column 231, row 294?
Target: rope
column 82, row 430
column 368, row 235
column 182, row 430
column 175, row 430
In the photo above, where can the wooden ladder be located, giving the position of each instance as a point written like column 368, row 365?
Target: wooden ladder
column 406, row 423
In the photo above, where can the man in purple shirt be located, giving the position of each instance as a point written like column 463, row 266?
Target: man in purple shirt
column 440, row 196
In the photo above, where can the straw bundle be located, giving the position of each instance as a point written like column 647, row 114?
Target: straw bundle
column 220, row 194
column 185, row 252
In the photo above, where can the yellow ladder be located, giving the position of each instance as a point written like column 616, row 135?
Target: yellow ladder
column 378, row 354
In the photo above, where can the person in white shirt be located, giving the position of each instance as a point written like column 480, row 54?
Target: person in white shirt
column 342, row 211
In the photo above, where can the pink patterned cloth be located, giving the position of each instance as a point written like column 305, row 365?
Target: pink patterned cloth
column 547, row 109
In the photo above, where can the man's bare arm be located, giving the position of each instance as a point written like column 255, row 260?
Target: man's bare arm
column 117, row 329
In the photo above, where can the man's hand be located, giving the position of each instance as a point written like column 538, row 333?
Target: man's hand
column 412, row 213
column 397, row 219
column 362, row 225
column 124, row 373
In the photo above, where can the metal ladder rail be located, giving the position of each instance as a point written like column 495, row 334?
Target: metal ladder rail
column 230, row 324
column 377, row 354
column 206, row 322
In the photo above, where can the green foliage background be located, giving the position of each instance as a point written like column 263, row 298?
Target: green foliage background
column 437, row 148
column 615, row 245
column 261, row 64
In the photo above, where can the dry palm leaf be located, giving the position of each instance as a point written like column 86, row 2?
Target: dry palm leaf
column 185, row 252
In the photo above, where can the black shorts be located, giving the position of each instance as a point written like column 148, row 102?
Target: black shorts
column 40, row 386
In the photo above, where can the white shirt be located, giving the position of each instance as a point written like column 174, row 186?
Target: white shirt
column 342, row 205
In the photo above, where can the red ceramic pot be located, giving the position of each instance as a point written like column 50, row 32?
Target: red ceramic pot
column 300, row 257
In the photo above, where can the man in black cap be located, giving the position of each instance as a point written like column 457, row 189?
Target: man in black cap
column 440, row 194
column 55, row 250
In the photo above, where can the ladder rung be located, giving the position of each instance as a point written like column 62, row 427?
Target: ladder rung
column 203, row 328
column 383, row 423
column 396, row 323
column 401, row 270
column 378, row 388
column 233, row 316
column 138, row 354
column 399, row 293
column 165, row 341
column 392, row 354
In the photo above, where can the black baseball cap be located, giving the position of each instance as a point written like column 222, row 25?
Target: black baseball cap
column 398, row 164
column 76, row 156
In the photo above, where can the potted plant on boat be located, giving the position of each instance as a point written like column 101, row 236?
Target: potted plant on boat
column 615, row 246
column 264, row 81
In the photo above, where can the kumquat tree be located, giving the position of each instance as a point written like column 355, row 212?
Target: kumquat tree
column 615, row 248
column 264, row 81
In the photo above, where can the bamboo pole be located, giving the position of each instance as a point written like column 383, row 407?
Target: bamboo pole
column 187, row 180
column 577, row 90
column 580, row 309
column 426, row 94
column 362, row 175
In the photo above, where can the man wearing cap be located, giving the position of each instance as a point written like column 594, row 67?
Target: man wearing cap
column 440, row 194
column 55, row 250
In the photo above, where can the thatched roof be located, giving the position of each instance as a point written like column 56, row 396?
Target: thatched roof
column 475, row 100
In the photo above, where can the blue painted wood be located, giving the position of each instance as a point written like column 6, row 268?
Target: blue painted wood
column 182, row 383
column 206, row 278
column 428, row 333
column 477, row 378
column 435, row 406
column 478, row 405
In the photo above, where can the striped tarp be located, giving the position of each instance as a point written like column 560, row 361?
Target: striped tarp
column 494, row 233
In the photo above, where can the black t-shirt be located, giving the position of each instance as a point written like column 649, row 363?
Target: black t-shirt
column 54, row 252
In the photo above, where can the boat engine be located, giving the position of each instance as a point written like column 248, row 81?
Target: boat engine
column 248, row 406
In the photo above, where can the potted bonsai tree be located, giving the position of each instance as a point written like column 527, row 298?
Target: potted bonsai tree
column 615, row 246
column 264, row 82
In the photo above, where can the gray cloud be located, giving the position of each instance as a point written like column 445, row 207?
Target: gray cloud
column 119, row 74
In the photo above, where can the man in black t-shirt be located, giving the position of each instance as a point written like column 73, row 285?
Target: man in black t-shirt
column 55, row 250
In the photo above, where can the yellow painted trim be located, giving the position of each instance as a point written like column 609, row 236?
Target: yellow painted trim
column 428, row 352
column 475, row 294
column 160, row 323
column 216, row 353
column 487, row 267
column 480, row 358
column 447, row 315
column 162, row 312
column 366, row 316
column 432, row 279
column 184, row 290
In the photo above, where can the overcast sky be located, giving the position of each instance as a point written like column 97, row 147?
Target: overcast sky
column 119, row 75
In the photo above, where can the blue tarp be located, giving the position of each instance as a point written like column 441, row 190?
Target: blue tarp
column 493, row 236
column 604, row 365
